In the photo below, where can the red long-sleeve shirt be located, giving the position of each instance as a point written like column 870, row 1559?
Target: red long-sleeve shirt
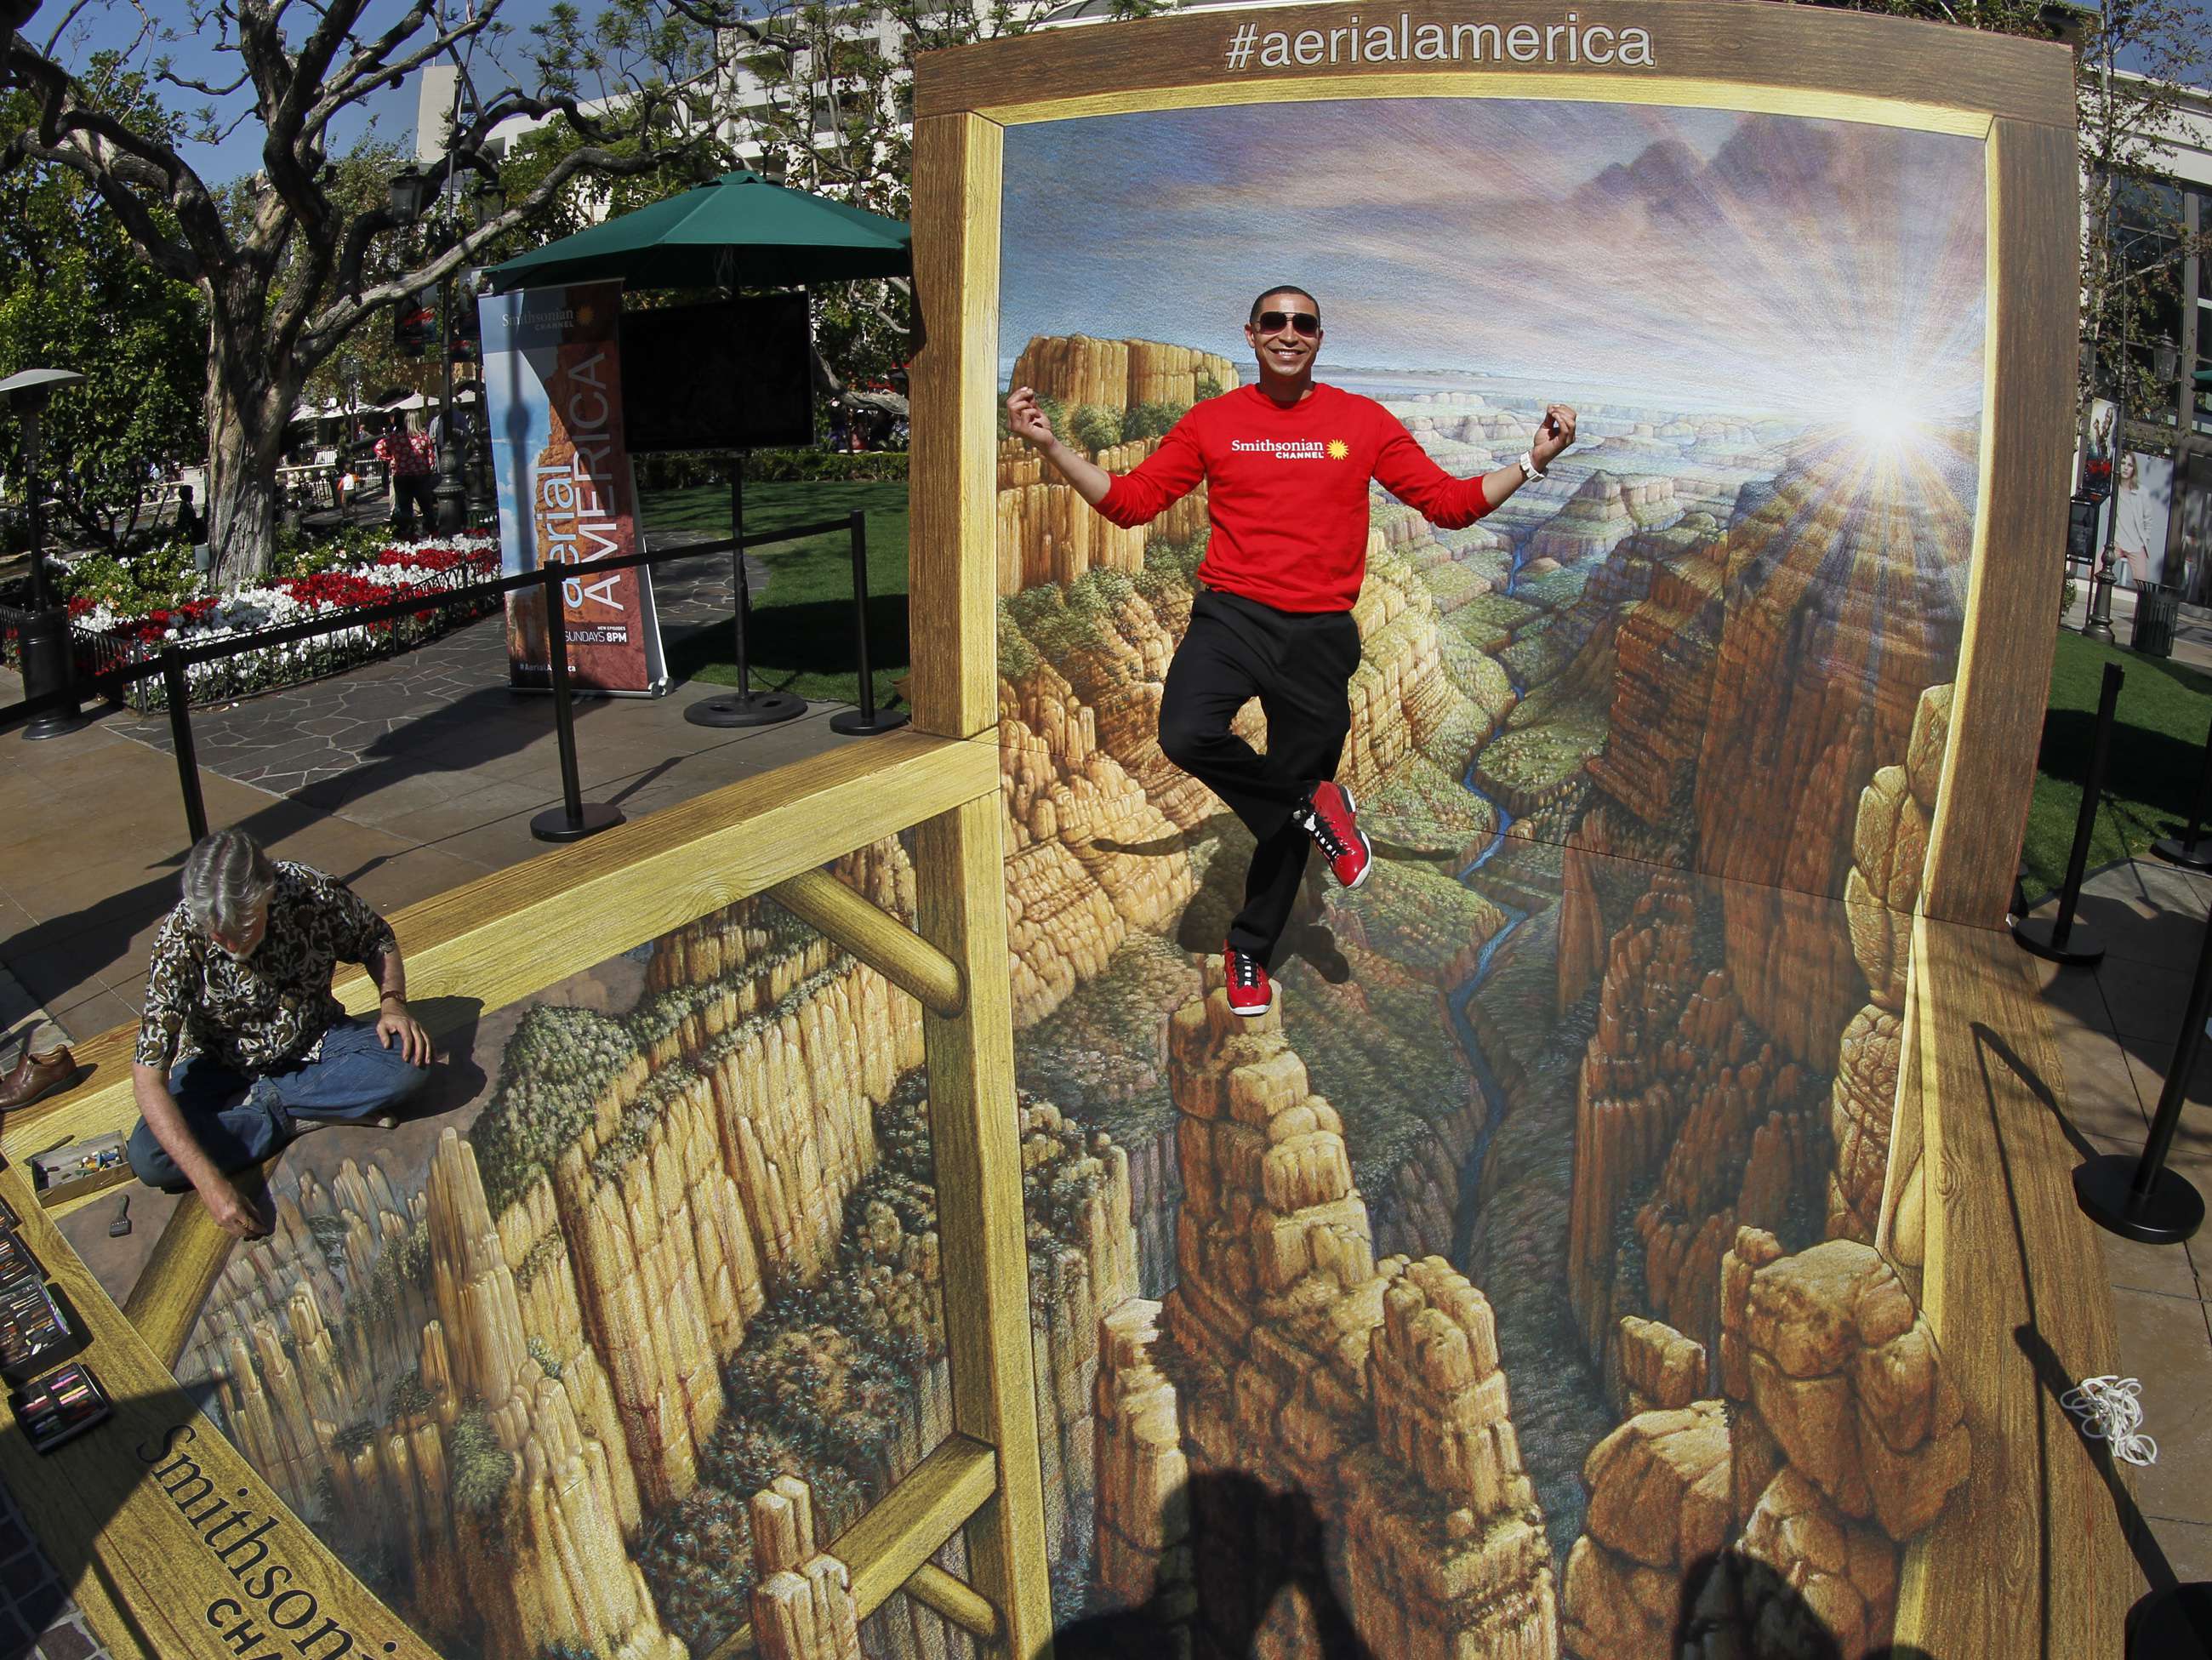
column 1287, row 490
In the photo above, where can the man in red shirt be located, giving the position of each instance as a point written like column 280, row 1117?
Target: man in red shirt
column 1286, row 464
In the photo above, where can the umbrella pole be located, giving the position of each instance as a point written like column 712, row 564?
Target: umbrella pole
column 748, row 707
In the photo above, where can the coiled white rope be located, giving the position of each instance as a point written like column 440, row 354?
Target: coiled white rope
column 2110, row 1411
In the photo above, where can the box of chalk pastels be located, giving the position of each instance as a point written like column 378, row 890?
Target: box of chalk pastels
column 60, row 1407
column 38, row 1330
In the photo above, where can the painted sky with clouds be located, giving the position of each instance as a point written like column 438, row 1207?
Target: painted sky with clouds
column 1764, row 262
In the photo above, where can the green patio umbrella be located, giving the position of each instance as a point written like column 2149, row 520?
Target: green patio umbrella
column 741, row 230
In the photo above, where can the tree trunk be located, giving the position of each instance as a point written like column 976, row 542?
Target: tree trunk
column 245, row 443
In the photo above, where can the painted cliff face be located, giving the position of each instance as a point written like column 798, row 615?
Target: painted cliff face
column 1512, row 1290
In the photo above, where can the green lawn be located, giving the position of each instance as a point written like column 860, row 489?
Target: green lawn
column 801, row 639
column 2158, row 745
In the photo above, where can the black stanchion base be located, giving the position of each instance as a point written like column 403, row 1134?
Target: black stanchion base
column 554, row 824
column 2105, row 1188
column 2081, row 950
column 748, row 708
column 851, row 722
column 2172, row 1625
column 2189, row 855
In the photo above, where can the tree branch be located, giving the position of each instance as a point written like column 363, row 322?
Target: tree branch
column 119, row 164
column 329, row 326
column 367, row 68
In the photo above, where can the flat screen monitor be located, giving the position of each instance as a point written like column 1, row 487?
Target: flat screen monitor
column 730, row 374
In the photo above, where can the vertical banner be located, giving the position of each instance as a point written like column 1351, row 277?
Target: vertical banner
column 2145, row 499
column 552, row 377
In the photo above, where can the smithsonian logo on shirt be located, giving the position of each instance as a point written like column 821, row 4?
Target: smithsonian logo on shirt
column 1293, row 449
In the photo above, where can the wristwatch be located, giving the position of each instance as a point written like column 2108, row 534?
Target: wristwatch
column 1530, row 471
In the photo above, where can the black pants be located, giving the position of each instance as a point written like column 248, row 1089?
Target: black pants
column 410, row 491
column 1297, row 665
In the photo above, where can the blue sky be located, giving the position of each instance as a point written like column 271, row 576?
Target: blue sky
column 114, row 24
column 111, row 25
column 1680, row 257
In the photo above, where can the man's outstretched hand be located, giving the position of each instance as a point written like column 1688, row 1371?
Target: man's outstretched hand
column 229, row 1209
column 1029, row 423
column 1554, row 433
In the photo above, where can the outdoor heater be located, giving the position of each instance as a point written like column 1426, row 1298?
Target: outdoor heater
column 49, row 670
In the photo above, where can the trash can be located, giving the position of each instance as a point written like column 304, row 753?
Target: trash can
column 2157, row 609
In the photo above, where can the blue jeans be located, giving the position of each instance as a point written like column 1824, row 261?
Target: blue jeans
column 240, row 1120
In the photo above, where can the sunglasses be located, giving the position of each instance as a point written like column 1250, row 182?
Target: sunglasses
column 1272, row 322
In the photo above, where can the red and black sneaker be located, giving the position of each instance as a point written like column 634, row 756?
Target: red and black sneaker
column 1250, row 991
column 1327, row 816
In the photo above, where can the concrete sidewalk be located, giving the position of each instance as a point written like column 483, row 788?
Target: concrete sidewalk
column 2118, row 1025
column 407, row 778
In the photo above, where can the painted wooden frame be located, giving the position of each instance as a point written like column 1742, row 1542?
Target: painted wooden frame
column 1993, row 1258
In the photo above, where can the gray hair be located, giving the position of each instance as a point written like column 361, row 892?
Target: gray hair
column 227, row 877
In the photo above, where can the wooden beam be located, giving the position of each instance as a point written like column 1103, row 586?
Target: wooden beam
column 953, row 575
column 2020, row 526
column 501, row 938
column 2029, row 1557
column 954, row 1600
column 976, row 1143
column 882, row 942
column 1748, row 51
column 895, row 1536
column 182, row 1269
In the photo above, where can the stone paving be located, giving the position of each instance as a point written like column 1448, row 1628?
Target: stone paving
column 2193, row 631
column 289, row 742
column 2117, row 1026
column 38, row 1621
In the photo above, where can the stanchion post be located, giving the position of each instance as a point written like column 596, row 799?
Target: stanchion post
column 178, row 691
column 2140, row 1198
column 865, row 720
column 2060, row 939
column 2192, row 851
column 747, row 708
column 574, row 819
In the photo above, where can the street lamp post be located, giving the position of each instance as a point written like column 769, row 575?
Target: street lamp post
column 49, row 663
column 411, row 197
column 451, row 495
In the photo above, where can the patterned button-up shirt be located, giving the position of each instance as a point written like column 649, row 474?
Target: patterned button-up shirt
column 271, row 1009
column 409, row 454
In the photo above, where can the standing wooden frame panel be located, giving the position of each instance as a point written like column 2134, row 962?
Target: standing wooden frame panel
column 2017, row 98
column 2011, row 608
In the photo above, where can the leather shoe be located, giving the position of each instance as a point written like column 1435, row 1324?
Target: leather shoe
column 36, row 1075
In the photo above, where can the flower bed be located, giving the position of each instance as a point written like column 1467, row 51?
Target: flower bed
column 134, row 625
